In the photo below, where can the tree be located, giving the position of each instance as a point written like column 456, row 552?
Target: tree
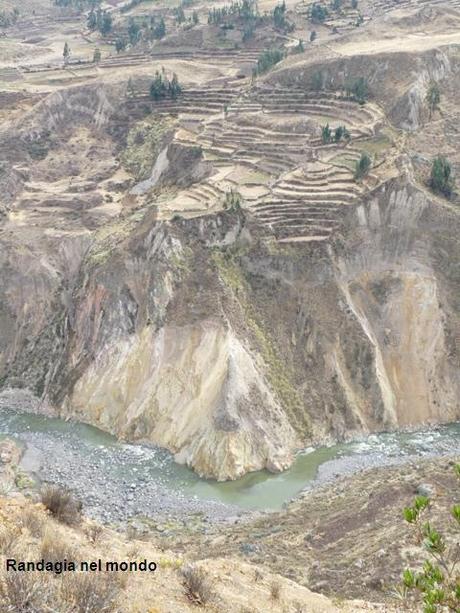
column 441, row 179
column 120, row 44
column 336, row 4
column 354, row 4
column 174, row 87
column 180, row 15
column 437, row 584
column 317, row 81
column 91, row 22
column 66, row 52
column 97, row 56
column 134, row 32
column 159, row 29
column 313, row 36
column 363, row 166
column 158, row 87
column 105, row 26
column 433, row 97
column 326, row 134
column 195, row 18
column 279, row 16
column 299, row 48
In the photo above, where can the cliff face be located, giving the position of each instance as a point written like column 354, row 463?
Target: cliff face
column 195, row 335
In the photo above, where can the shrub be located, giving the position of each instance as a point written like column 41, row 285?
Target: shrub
column 441, row 179
column 275, row 590
column 437, row 585
column 28, row 593
column 198, row 586
column 61, row 504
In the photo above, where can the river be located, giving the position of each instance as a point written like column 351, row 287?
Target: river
column 116, row 480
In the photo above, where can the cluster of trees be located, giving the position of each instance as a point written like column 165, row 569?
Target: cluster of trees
column 162, row 87
column 155, row 29
column 318, row 13
column 233, row 200
column 267, row 59
column 179, row 14
column 8, row 18
column 79, row 5
column 130, row 5
column 357, row 89
column 246, row 10
column 279, row 18
column 327, row 136
column 100, row 20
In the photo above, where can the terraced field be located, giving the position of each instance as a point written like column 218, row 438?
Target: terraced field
column 305, row 186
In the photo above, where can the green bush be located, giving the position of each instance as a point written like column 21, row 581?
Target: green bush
column 437, row 584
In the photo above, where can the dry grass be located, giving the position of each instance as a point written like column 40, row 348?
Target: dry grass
column 8, row 538
column 33, row 521
column 198, row 586
column 54, row 548
column 61, row 504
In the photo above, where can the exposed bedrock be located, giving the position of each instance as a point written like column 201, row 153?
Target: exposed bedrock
column 197, row 336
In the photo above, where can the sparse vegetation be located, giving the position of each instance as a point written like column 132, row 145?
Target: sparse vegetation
column 441, row 179
column 61, row 504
